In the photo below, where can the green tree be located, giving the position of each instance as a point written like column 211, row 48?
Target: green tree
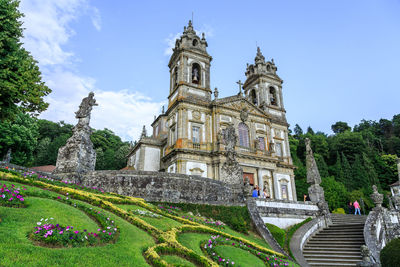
column 297, row 131
column 340, row 127
column 335, row 193
column 21, row 86
column 21, row 137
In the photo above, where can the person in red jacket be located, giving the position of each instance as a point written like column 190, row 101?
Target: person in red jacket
column 356, row 208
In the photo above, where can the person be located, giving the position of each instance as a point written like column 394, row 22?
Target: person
column 306, row 198
column 258, row 191
column 255, row 192
column 350, row 207
column 356, row 208
column 265, row 193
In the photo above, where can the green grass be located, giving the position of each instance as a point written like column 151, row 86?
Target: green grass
column 177, row 261
column 17, row 250
column 239, row 256
column 162, row 223
column 193, row 240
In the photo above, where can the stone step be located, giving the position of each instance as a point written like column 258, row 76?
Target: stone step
column 333, row 246
column 333, row 234
column 344, row 251
column 333, row 241
column 330, row 238
column 357, row 230
column 338, row 257
column 330, row 264
column 325, row 260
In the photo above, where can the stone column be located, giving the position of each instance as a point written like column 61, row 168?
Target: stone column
column 293, row 185
column 275, row 184
column 260, row 180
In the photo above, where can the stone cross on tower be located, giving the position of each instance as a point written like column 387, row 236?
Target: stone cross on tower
column 240, row 87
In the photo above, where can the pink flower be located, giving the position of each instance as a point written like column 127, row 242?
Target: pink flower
column 61, row 232
column 109, row 233
column 21, row 199
column 76, row 232
column 10, row 199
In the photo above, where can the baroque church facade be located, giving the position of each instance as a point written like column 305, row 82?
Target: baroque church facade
column 187, row 137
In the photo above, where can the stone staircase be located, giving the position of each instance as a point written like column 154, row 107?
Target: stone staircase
column 338, row 244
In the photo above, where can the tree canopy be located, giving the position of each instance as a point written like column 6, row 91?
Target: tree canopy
column 21, row 85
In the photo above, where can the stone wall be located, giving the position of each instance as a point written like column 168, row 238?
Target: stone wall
column 166, row 187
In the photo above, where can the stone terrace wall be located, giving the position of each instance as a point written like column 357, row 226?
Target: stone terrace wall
column 166, row 187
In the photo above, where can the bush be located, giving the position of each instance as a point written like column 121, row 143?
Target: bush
column 339, row 211
column 390, row 254
column 278, row 233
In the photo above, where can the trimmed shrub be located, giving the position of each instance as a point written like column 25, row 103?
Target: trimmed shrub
column 278, row 233
column 390, row 254
column 339, row 211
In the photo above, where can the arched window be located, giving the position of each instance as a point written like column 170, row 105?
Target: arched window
column 253, row 97
column 272, row 95
column 243, row 135
column 175, row 76
column 196, row 73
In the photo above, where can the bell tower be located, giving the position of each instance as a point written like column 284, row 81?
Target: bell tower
column 263, row 87
column 189, row 67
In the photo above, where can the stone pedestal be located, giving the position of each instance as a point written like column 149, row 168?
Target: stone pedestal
column 316, row 193
column 231, row 172
column 78, row 155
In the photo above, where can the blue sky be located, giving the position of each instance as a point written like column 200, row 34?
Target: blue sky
column 338, row 59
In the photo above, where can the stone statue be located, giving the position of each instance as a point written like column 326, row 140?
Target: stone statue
column 86, row 106
column 315, row 191
column 78, row 157
column 231, row 172
column 244, row 114
column 366, row 257
column 7, row 157
column 216, row 93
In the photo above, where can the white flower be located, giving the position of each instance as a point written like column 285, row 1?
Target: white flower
column 46, row 220
column 41, row 219
column 51, row 218
column 39, row 223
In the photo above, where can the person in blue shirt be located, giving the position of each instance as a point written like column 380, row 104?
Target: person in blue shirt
column 255, row 192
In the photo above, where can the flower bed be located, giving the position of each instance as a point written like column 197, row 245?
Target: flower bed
column 209, row 248
column 56, row 235
column 217, row 224
column 170, row 209
column 145, row 213
column 12, row 196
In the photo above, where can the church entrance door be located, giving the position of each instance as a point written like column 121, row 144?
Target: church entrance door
column 249, row 176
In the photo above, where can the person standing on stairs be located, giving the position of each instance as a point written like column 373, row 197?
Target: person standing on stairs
column 356, row 208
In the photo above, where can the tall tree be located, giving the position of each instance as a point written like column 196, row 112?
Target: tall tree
column 21, row 85
column 340, row 127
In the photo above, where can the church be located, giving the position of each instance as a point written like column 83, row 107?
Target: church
column 187, row 137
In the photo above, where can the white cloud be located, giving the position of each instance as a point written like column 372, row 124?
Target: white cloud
column 47, row 31
column 96, row 18
column 170, row 41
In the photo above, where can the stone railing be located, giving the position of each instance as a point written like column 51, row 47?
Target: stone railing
column 382, row 225
column 303, row 234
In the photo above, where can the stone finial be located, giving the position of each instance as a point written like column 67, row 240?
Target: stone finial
column 203, row 36
column 365, row 253
column 162, row 110
column 376, row 197
column 216, row 93
column 144, row 132
column 259, row 57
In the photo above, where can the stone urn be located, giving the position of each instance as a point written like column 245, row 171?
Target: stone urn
column 376, row 197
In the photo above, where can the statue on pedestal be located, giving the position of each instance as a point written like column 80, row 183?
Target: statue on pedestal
column 315, row 191
column 231, row 172
column 78, row 156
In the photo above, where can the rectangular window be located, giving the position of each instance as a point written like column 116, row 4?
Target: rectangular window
column 196, row 134
column 173, row 136
column 284, row 191
column 261, row 143
column 279, row 149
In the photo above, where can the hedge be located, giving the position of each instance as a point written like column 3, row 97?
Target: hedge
column 390, row 254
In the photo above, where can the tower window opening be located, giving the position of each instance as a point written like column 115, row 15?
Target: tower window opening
column 273, row 99
column 253, row 97
column 194, row 42
column 175, row 76
column 196, row 73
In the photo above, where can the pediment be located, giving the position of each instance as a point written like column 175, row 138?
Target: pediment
column 239, row 104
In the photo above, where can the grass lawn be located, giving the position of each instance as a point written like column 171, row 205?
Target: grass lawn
column 128, row 250
column 162, row 223
column 17, row 250
column 177, row 261
column 239, row 257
